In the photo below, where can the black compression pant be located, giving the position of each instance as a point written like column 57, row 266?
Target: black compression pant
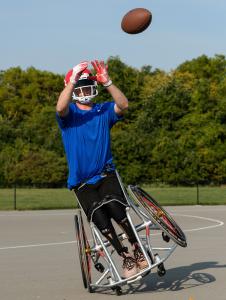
column 88, row 194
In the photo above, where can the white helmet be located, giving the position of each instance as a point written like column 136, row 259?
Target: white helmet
column 85, row 88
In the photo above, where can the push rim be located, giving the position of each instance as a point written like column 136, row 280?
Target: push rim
column 159, row 215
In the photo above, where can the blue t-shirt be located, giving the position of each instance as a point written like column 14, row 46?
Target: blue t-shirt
column 86, row 139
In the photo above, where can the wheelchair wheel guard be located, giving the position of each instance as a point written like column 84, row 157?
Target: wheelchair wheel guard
column 83, row 251
column 158, row 215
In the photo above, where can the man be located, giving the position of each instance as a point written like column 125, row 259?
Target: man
column 85, row 130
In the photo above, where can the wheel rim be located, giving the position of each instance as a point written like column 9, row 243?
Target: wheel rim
column 79, row 244
column 159, row 214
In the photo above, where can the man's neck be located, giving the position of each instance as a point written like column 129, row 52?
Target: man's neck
column 87, row 106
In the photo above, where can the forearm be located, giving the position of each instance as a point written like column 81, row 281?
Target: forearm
column 104, row 79
column 64, row 100
column 118, row 96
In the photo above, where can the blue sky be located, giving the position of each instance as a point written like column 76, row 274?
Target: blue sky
column 54, row 35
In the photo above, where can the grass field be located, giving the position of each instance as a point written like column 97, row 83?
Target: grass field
column 31, row 198
column 188, row 195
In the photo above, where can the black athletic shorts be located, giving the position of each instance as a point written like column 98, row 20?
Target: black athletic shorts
column 92, row 195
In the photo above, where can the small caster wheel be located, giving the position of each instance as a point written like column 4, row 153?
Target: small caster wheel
column 118, row 290
column 99, row 267
column 165, row 237
column 161, row 270
column 90, row 289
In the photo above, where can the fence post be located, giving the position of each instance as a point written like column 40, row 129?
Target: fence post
column 14, row 196
column 197, row 193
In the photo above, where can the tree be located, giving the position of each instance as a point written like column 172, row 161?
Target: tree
column 174, row 131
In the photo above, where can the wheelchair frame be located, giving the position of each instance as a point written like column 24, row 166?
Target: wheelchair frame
column 152, row 217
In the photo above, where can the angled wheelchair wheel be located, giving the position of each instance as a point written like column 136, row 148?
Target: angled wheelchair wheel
column 83, row 252
column 158, row 215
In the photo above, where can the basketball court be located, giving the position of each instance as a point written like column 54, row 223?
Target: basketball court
column 38, row 258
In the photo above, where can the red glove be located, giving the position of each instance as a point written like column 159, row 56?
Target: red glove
column 102, row 73
column 77, row 71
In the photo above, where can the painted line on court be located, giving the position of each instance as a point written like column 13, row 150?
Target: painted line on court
column 36, row 245
column 71, row 213
column 219, row 223
column 37, row 214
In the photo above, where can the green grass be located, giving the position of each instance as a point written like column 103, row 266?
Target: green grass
column 31, row 198
column 188, row 195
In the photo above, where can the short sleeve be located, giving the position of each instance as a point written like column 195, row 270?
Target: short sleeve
column 65, row 121
column 113, row 117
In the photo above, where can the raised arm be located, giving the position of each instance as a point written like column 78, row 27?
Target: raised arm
column 121, row 102
column 65, row 97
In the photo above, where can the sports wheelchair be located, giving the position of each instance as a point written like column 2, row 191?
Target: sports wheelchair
column 99, row 267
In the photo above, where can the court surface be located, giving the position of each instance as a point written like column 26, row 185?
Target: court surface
column 38, row 258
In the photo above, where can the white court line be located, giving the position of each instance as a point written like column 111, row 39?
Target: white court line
column 71, row 213
column 32, row 214
column 219, row 223
column 197, row 208
column 37, row 245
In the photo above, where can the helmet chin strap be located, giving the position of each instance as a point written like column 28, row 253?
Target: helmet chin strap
column 85, row 100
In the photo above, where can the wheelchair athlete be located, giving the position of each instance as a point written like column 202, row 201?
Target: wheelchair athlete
column 85, row 128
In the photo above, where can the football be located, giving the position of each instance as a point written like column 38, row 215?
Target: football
column 136, row 20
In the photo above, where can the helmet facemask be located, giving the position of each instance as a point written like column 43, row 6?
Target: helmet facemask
column 85, row 90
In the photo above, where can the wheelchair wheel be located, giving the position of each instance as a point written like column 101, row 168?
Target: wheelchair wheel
column 159, row 215
column 83, row 251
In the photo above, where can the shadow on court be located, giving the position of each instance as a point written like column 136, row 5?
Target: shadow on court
column 178, row 278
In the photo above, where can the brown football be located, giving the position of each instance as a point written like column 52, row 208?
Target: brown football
column 136, row 20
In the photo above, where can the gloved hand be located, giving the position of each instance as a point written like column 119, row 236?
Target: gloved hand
column 102, row 73
column 77, row 71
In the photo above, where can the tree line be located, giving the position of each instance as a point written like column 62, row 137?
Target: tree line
column 173, row 132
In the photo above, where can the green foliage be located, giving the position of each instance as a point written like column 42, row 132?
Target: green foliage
column 174, row 131
column 31, row 151
column 179, row 134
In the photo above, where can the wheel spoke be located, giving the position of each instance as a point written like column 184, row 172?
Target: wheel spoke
column 159, row 215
